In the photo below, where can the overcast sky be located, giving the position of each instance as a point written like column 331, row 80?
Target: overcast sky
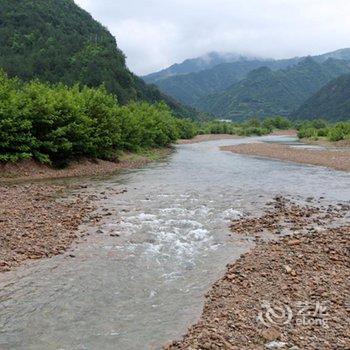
column 157, row 33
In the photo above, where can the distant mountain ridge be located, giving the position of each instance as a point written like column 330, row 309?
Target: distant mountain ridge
column 265, row 92
column 331, row 102
column 193, row 88
column 194, row 65
column 189, row 88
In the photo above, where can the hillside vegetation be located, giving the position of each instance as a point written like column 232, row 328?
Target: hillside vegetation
column 320, row 129
column 55, row 123
column 196, row 78
column 267, row 93
column 189, row 88
column 57, row 41
column 331, row 102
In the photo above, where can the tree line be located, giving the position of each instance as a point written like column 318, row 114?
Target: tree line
column 56, row 123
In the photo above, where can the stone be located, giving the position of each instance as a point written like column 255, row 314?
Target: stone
column 270, row 334
column 288, row 269
column 276, row 345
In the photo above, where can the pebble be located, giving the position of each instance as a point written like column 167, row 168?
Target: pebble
column 276, row 345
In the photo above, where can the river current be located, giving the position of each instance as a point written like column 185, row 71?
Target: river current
column 145, row 287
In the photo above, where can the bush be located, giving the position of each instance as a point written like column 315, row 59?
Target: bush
column 319, row 128
column 340, row 131
column 281, row 123
column 55, row 123
column 186, row 128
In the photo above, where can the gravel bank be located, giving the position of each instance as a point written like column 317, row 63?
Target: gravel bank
column 31, row 170
column 40, row 220
column 35, row 223
column 332, row 158
column 292, row 293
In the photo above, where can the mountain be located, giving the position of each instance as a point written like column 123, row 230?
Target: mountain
column 57, row 41
column 332, row 102
column 341, row 54
column 189, row 88
column 194, row 65
column 266, row 92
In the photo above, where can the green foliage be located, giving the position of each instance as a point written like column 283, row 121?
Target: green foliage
column 265, row 92
column 331, row 102
column 56, row 123
column 319, row 128
column 251, row 127
column 58, row 42
column 341, row 131
column 280, row 123
column 146, row 126
column 186, row 128
column 197, row 78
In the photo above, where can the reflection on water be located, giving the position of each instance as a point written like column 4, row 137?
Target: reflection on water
column 143, row 288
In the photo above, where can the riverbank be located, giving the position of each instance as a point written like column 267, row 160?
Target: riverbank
column 28, row 170
column 326, row 143
column 35, row 222
column 286, row 294
column 331, row 158
column 41, row 219
column 208, row 137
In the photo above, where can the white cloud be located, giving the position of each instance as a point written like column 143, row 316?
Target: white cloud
column 156, row 33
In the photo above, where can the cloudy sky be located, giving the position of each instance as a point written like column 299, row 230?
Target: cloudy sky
column 157, row 33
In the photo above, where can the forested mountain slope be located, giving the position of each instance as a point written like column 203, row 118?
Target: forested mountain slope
column 57, row 41
column 194, row 65
column 265, row 92
column 190, row 87
column 332, row 102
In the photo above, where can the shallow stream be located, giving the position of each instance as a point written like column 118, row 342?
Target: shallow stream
column 145, row 287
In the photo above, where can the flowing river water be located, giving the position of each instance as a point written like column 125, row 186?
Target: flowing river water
column 145, row 287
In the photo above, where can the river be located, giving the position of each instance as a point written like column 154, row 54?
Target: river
column 144, row 288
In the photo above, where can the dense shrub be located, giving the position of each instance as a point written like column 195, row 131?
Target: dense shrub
column 186, row 128
column 319, row 128
column 339, row 131
column 281, row 123
column 249, row 128
column 55, row 123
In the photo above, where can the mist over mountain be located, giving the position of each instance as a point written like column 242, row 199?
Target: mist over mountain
column 217, row 89
column 197, row 64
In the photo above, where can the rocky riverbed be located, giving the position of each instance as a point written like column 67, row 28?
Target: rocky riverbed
column 35, row 222
column 291, row 293
column 28, row 170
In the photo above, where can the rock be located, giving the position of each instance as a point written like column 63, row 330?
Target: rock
column 276, row 345
column 288, row 269
column 294, row 242
column 114, row 234
column 270, row 334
